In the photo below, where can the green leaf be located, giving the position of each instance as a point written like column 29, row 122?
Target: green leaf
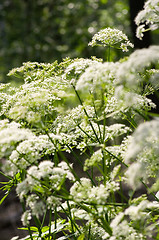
column 44, row 229
column 3, row 183
column 4, row 198
column 81, row 237
column 35, row 229
column 60, row 226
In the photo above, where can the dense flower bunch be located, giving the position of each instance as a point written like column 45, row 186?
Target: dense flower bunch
column 148, row 18
column 112, row 38
column 74, row 135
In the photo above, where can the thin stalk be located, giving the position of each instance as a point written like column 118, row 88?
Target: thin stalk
column 131, row 121
column 76, row 157
column 108, row 54
column 50, row 218
column 104, row 224
column 70, row 216
column 116, row 158
column 86, row 113
column 104, row 168
column 28, row 226
column 42, row 224
column 104, row 125
column 86, row 133
column 142, row 115
column 96, row 116
column 148, row 189
column 101, row 171
column 55, row 214
column 68, row 164
column 89, row 232
column 5, row 175
column 38, row 224
column 70, row 219
column 105, row 204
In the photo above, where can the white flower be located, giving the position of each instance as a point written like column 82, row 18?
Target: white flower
column 111, row 37
column 84, row 191
column 134, row 174
column 53, row 202
column 45, row 169
column 36, row 205
column 22, row 189
column 97, row 77
column 30, row 150
column 145, row 136
column 11, row 134
column 26, row 217
column 148, row 16
column 131, row 100
column 131, row 72
column 140, row 30
column 80, row 190
column 99, row 194
column 75, row 69
column 95, row 159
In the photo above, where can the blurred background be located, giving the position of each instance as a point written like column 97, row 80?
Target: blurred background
column 49, row 30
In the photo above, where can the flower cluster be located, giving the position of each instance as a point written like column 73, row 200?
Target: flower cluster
column 129, row 224
column 149, row 16
column 112, row 38
column 131, row 73
column 144, row 148
column 42, row 179
column 98, row 76
column 95, row 115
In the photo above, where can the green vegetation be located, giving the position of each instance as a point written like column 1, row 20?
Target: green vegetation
column 78, row 142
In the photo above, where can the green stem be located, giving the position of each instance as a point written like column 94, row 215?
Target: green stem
column 50, row 218
column 148, row 189
column 5, row 175
column 89, row 231
column 85, row 133
column 76, row 157
column 108, row 54
column 96, row 116
column 38, row 224
column 116, row 158
column 104, row 168
column 104, row 125
column 86, row 114
column 70, row 217
column 28, row 226
column 68, row 164
column 42, row 224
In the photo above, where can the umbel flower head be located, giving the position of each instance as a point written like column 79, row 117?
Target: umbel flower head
column 148, row 18
column 112, row 38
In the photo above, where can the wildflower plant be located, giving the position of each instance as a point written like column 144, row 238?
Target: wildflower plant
column 74, row 136
column 148, row 18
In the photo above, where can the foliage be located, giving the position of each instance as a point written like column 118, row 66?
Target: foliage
column 74, row 135
column 46, row 30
